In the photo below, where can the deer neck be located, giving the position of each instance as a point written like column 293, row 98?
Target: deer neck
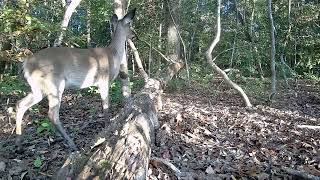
column 117, row 45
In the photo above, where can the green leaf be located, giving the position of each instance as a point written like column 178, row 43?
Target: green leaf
column 45, row 124
column 40, row 129
column 28, row 18
column 38, row 162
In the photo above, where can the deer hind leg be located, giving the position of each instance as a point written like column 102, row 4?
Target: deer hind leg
column 22, row 106
column 54, row 99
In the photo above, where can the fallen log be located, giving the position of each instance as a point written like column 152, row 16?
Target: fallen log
column 122, row 150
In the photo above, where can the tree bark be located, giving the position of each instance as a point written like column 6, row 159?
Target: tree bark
column 125, row 145
column 88, row 19
column 215, row 67
column 272, row 51
column 66, row 18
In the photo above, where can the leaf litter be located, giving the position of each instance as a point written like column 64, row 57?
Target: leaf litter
column 203, row 134
column 214, row 137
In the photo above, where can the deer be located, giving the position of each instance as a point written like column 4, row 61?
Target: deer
column 50, row 71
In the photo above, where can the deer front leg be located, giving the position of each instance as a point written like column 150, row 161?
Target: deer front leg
column 125, row 84
column 104, row 93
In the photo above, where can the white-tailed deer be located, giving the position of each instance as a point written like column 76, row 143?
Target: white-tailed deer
column 52, row 70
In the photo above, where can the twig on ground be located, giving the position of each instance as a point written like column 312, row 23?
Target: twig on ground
column 308, row 127
column 156, row 161
column 179, row 174
column 300, row 174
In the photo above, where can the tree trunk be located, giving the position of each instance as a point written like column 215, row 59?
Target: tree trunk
column 88, row 24
column 215, row 67
column 63, row 3
column 234, row 43
column 174, row 36
column 283, row 52
column 272, row 51
column 173, row 42
column 254, row 48
column 119, row 8
column 66, row 18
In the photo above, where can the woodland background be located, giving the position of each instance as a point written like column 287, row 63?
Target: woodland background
column 285, row 95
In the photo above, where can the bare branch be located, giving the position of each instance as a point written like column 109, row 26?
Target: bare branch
column 159, row 52
column 215, row 67
column 138, row 60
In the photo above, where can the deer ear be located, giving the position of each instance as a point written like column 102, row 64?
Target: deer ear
column 129, row 16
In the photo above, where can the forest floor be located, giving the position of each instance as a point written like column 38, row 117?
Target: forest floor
column 206, row 132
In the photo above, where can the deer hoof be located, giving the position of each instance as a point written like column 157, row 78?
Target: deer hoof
column 19, row 149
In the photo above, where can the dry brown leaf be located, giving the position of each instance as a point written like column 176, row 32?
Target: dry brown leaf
column 209, row 170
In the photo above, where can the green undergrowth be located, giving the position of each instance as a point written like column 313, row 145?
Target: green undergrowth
column 203, row 78
column 206, row 79
column 115, row 89
column 17, row 86
column 13, row 85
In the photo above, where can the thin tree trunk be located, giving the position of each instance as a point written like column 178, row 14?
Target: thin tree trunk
column 233, row 50
column 88, row 24
column 160, row 29
column 234, row 38
column 175, row 33
column 241, row 19
column 254, row 48
column 158, row 64
column 272, row 51
column 119, row 8
column 63, row 3
column 150, row 58
column 282, row 55
column 66, row 18
column 208, row 56
column 283, row 70
column 173, row 43
column 249, row 33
